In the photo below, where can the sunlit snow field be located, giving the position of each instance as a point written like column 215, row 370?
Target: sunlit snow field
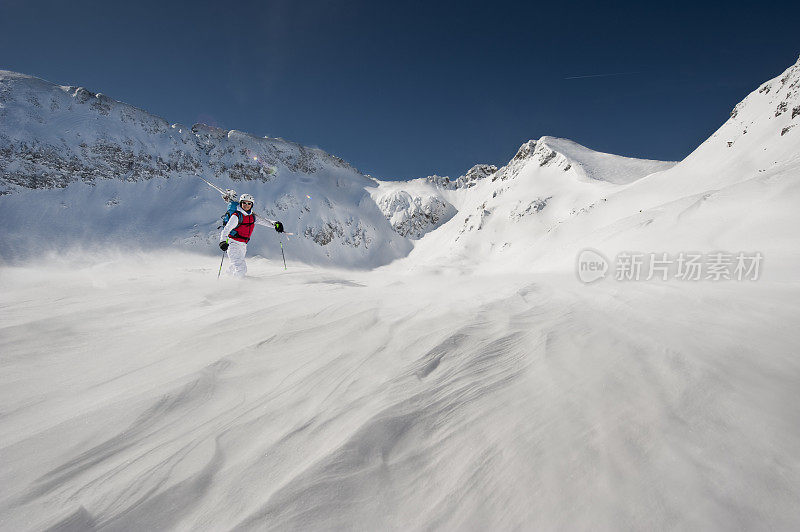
column 462, row 378
column 141, row 393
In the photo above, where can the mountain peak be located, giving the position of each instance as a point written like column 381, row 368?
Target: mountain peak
column 566, row 155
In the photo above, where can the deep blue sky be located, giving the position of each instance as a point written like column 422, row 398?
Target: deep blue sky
column 412, row 88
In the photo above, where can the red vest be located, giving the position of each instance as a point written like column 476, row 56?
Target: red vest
column 243, row 231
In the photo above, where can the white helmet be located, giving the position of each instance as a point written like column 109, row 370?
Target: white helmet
column 246, row 197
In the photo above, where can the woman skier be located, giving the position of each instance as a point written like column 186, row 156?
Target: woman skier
column 236, row 234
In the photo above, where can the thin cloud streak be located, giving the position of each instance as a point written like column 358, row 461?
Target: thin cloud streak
column 604, row 75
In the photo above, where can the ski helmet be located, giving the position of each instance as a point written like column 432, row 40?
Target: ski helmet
column 246, row 197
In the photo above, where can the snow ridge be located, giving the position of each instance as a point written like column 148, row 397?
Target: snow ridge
column 566, row 155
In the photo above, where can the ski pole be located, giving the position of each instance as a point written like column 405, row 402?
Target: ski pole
column 282, row 255
column 220, row 265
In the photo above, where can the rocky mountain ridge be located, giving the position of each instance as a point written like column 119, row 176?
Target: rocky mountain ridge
column 87, row 153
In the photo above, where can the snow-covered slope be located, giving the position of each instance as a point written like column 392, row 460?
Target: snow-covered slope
column 548, row 180
column 418, row 206
column 737, row 191
column 140, row 394
column 96, row 172
column 464, row 387
column 598, row 165
column 414, row 216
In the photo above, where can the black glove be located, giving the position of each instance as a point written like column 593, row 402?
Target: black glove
column 279, row 227
column 223, row 246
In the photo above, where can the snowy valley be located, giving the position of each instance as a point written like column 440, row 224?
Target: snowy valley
column 431, row 358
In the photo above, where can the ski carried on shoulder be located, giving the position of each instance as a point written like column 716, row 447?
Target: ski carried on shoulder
column 229, row 195
column 212, row 185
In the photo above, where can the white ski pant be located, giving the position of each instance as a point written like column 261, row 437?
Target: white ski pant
column 236, row 253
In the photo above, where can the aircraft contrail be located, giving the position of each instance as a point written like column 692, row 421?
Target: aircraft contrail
column 603, row 75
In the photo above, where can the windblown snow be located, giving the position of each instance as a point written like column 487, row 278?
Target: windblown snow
column 447, row 371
